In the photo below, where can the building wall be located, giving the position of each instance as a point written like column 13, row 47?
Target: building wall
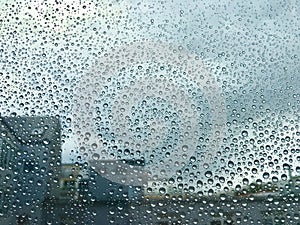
column 30, row 154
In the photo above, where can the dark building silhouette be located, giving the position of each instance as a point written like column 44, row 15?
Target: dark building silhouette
column 30, row 157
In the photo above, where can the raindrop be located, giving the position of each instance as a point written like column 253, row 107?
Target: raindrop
column 162, row 190
column 245, row 133
column 266, row 175
column 230, row 164
column 185, row 148
column 208, row 174
column 96, row 156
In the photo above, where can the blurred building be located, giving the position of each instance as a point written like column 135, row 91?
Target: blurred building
column 37, row 189
column 73, row 180
column 82, row 191
column 30, row 151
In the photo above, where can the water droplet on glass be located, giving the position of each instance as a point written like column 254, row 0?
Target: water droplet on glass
column 208, row 174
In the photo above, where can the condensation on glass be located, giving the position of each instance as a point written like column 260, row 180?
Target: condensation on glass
column 149, row 112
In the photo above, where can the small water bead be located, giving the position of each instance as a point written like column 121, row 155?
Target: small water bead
column 96, row 156
column 245, row 133
column 230, row 164
column 208, row 174
column 266, row 175
column 162, row 190
column 185, row 148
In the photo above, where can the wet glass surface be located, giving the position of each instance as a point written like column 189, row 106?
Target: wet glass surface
column 149, row 112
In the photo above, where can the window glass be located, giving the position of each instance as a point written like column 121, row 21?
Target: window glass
column 149, row 112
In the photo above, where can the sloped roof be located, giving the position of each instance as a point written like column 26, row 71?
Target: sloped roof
column 32, row 129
